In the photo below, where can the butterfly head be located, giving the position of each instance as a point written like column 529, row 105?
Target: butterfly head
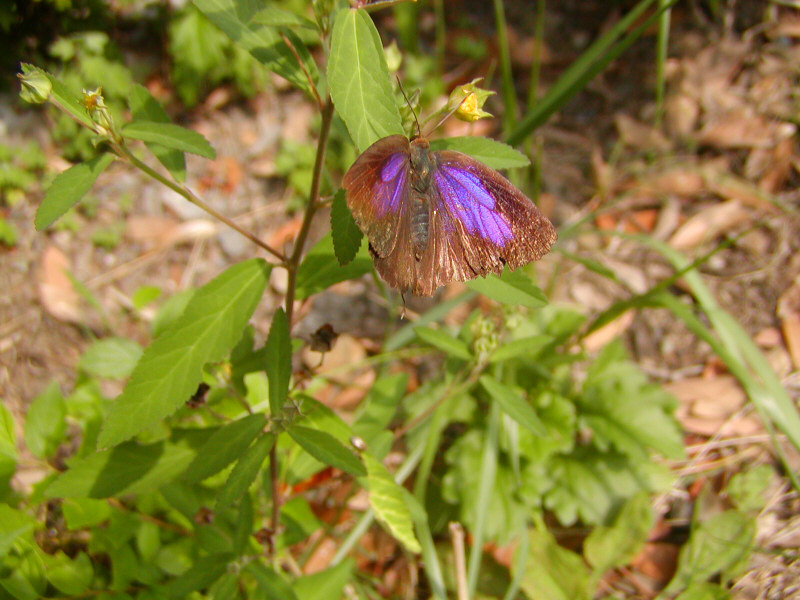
column 422, row 164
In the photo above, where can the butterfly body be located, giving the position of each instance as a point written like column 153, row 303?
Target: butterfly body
column 432, row 217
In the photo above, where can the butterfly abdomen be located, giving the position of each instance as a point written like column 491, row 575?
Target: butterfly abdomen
column 420, row 225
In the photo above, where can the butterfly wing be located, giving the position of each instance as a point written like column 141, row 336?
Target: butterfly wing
column 377, row 189
column 486, row 221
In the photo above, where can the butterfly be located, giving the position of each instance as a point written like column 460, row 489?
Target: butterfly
column 432, row 217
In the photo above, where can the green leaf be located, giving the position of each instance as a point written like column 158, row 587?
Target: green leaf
column 617, row 545
column 704, row 591
column 514, row 405
column 129, row 468
column 244, row 471
column 70, row 576
column 279, row 361
column 27, row 580
column 169, row 135
column 272, row 584
column 553, row 572
column 112, row 358
column 241, row 22
column 747, row 489
column 388, row 502
column 320, row 269
column 80, row 513
column 8, row 446
column 146, row 108
column 359, row 79
column 325, row 585
column 627, row 412
column 344, row 231
column 377, row 411
column 277, row 17
column 327, row 449
column 529, row 347
column 492, row 153
column 45, row 422
column 172, row 366
column 203, row 573
column 68, row 188
column 513, row 288
column 715, row 546
column 318, row 416
column 14, row 524
column 444, row 342
column 224, row 446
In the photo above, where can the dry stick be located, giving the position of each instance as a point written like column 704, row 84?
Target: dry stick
column 457, row 534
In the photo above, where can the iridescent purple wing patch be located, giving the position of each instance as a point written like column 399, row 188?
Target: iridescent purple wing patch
column 470, row 202
column 389, row 187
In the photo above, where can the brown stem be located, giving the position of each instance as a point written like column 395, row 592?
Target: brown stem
column 313, row 204
column 299, row 60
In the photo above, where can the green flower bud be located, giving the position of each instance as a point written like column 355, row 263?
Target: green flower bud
column 35, row 85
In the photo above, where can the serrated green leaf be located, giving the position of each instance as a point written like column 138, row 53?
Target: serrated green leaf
column 67, row 100
column 326, row 584
column 512, row 288
column 112, row 358
column 69, row 576
column 273, row 16
column 344, row 231
column 239, row 21
column 84, row 512
column 388, row 502
column 320, row 268
column 146, row 108
column 327, row 449
column 492, row 153
column 205, row 571
column 14, row 524
column 68, row 188
column 318, row 416
column 224, row 446
column 618, row 544
column 715, row 545
column 529, row 347
column 514, row 405
column 359, row 79
column 169, row 135
column 444, row 342
column 45, row 422
column 272, row 584
column 553, row 572
column 171, row 367
column 129, row 468
column 279, row 361
column 245, row 471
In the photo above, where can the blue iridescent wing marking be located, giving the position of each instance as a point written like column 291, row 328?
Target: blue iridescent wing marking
column 469, row 201
column 377, row 190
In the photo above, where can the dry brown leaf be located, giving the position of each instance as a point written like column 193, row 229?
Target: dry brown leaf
column 150, row 230
column 321, row 557
column 707, row 224
column 788, row 26
column 638, row 135
column 286, row 232
column 56, row 292
column 788, row 310
column 683, row 181
column 743, row 129
column 681, row 113
column 658, row 561
column 706, row 405
column 778, row 168
column 608, row 332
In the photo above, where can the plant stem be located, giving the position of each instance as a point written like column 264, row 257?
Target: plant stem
column 293, row 262
column 191, row 197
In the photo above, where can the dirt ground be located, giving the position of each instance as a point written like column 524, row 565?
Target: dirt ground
column 725, row 166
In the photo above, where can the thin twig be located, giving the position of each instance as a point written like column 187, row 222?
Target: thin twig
column 457, row 537
column 191, row 197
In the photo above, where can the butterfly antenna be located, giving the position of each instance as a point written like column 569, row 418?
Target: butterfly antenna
column 413, row 112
